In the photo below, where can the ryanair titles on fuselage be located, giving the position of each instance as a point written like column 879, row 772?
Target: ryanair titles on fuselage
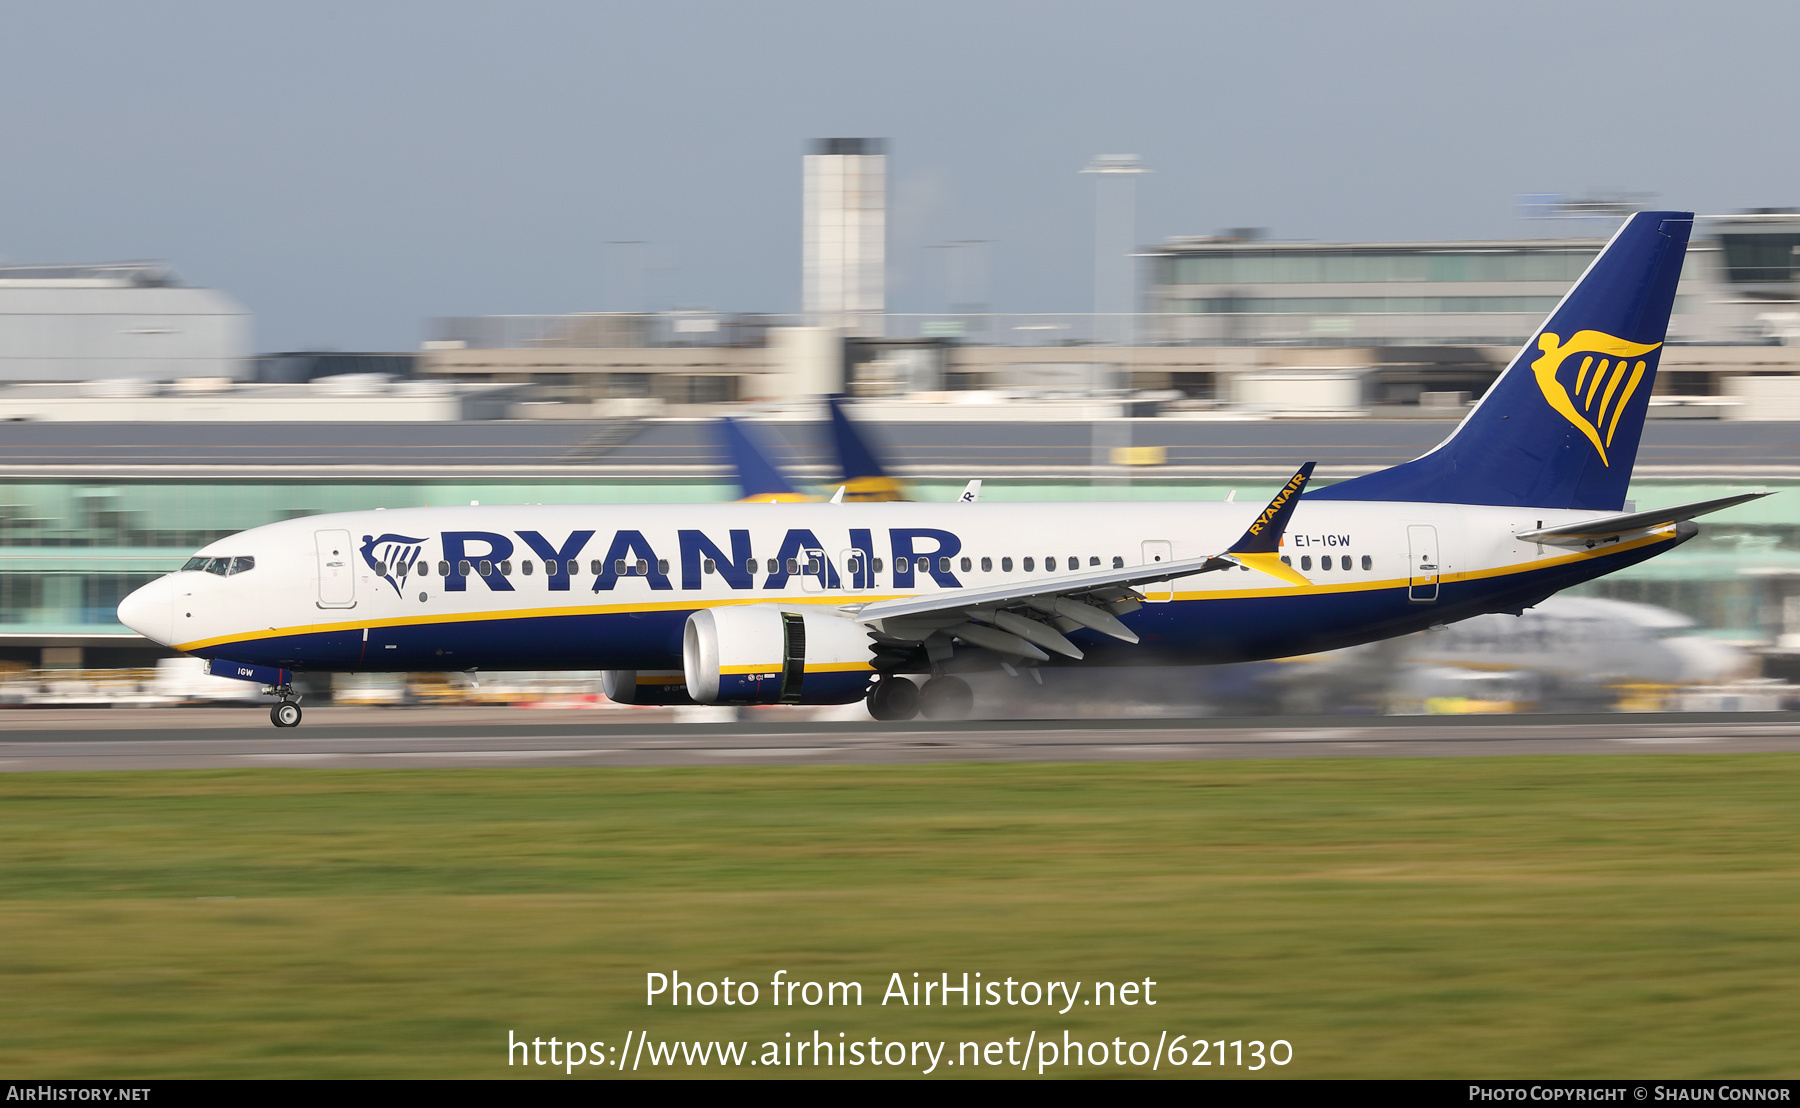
column 629, row 553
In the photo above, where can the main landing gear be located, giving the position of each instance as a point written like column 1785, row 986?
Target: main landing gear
column 894, row 699
column 946, row 698
column 284, row 712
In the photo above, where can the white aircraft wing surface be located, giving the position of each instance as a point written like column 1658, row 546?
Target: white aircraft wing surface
column 1023, row 620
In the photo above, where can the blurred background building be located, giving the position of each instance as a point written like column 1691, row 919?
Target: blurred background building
column 844, row 235
column 124, row 320
column 136, row 423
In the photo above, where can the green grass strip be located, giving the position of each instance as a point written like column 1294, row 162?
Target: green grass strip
column 1468, row 917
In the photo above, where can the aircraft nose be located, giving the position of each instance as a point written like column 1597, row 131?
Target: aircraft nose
column 150, row 611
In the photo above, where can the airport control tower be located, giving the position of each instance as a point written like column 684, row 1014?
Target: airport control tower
column 844, row 247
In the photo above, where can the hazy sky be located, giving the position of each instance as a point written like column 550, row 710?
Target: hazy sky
column 348, row 169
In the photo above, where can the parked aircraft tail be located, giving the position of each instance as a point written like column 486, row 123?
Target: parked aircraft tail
column 1560, row 427
column 864, row 479
column 758, row 479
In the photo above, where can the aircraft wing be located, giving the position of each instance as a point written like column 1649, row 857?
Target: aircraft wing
column 1606, row 527
column 1020, row 618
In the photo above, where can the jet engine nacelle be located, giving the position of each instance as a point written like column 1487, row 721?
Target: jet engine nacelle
column 763, row 654
column 644, row 686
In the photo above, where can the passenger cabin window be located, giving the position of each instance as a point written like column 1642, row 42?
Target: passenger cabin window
column 526, row 567
column 443, row 568
column 987, row 565
column 1028, row 564
column 1118, row 561
column 574, row 567
column 487, row 568
column 709, row 566
column 967, row 565
column 1049, row 565
column 944, row 565
column 242, row 564
column 1306, row 561
column 877, row 565
column 1006, row 565
column 1368, row 563
column 1325, row 562
column 662, row 565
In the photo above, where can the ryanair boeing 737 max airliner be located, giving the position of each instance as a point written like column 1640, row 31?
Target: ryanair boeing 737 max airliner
column 831, row 603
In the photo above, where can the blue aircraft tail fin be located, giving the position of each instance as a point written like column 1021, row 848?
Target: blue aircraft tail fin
column 1560, row 427
column 864, row 479
column 758, row 477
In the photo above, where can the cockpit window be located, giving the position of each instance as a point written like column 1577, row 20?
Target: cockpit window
column 241, row 564
column 220, row 566
column 194, row 563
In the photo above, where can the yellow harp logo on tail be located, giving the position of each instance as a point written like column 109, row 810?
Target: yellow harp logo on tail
column 1595, row 399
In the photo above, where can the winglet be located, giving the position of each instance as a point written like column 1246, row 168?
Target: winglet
column 1260, row 546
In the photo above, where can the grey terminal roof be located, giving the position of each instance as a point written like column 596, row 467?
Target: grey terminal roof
column 1673, row 448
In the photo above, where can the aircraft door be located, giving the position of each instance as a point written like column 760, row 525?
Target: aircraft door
column 1422, row 584
column 1158, row 550
column 337, row 575
column 856, row 573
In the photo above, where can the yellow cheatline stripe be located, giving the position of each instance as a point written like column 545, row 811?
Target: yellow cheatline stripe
column 837, row 667
column 833, row 600
column 1661, row 534
column 738, row 671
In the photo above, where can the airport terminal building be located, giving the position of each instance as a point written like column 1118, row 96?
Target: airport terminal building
column 1741, row 285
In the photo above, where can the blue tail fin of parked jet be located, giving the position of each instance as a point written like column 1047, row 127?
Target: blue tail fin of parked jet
column 864, row 479
column 758, row 479
column 1560, row 428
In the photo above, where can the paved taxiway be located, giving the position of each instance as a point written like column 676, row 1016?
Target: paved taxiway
column 442, row 738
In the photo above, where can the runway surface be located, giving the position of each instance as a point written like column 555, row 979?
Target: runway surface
column 463, row 738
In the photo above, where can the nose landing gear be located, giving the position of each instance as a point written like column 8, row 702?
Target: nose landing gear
column 284, row 712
